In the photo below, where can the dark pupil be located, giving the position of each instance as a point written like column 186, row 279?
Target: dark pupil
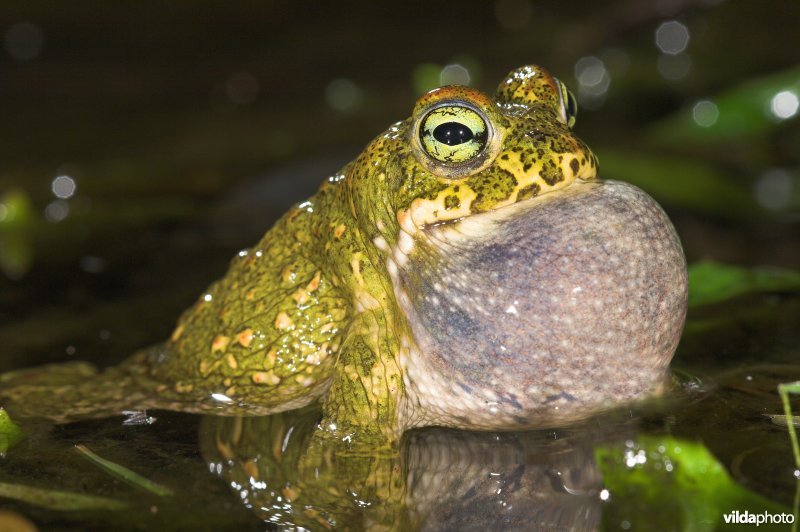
column 452, row 133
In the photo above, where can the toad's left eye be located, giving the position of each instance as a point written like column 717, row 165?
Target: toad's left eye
column 453, row 133
column 569, row 106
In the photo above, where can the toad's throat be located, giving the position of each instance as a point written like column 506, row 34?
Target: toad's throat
column 543, row 312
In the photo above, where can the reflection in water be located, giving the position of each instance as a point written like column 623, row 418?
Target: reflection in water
column 439, row 480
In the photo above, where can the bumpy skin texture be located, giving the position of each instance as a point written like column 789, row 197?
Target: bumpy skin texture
column 561, row 310
column 334, row 302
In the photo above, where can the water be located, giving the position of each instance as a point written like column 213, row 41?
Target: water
column 187, row 140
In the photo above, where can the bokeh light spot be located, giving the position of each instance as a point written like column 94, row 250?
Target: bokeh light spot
column 343, row 95
column 593, row 80
column 63, row 186
column 674, row 67
column 56, row 211
column 774, row 188
column 242, row 88
column 705, row 113
column 454, row 74
column 24, row 41
column 672, row 37
column 784, row 104
column 513, row 14
column 92, row 264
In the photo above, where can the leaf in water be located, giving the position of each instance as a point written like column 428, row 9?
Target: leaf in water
column 691, row 185
column 750, row 109
column 677, row 484
column 784, row 390
column 124, row 473
column 782, row 420
column 710, row 282
column 58, row 500
column 10, row 433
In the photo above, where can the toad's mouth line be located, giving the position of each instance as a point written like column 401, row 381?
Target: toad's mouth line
column 483, row 223
column 458, row 235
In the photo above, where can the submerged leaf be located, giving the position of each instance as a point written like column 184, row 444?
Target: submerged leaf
column 784, row 390
column 58, row 500
column 782, row 420
column 710, row 282
column 10, row 432
column 124, row 473
column 675, row 483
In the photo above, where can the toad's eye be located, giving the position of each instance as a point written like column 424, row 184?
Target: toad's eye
column 569, row 105
column 453, row 133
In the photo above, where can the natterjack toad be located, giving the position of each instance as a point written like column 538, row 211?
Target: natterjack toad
column 467, row 269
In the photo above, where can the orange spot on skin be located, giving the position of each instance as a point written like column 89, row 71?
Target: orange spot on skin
column 250, row 295
column 177, row 333
column 314, row 283
column 181, row 387
column 304, row 381
column 301, row 295
column 203, row 367
column 266, row 377
column 231, row 360
column 251, row 468
column 290, row 494
column 219, row 343
column 283, row 321
column 339, row 231
column 245, row 338
column 288, row 275
column 269, row 360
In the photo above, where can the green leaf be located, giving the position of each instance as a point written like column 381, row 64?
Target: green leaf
column 125, row 474
column 744, row 111
column 15, row 210
column 10, row 433
column 691, row 185
column 16, row 220
column 58, row 500
column 677, row 484
column 784, row 390
column 710, row 282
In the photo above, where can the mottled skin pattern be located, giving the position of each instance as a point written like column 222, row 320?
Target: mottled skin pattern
column 312, row 310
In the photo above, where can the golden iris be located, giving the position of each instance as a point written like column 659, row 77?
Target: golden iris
column 453, row 133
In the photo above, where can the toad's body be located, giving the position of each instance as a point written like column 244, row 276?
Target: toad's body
column 467, row 269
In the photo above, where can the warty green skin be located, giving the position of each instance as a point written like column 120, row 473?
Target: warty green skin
column 310, row 312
